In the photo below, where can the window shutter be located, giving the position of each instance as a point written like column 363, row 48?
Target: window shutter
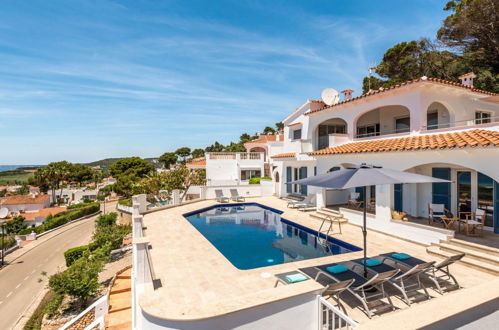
column 303, row 175
column 289, row 172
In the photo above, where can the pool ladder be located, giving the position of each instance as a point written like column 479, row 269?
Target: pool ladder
column 329, row 220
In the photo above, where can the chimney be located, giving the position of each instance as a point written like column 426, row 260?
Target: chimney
column 347, row 94
column 467, row 79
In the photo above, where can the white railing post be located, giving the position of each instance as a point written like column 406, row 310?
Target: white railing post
column 328, row 308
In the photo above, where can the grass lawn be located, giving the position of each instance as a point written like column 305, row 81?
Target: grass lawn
column 14, row 177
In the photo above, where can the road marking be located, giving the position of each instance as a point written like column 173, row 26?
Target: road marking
column 10, row 293
column 17, row 286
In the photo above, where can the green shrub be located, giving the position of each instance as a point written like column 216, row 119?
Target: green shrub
column 106, row 220
column 125, row 202
column 9, row 242
column 80, row 205
column 257, row 180
column 52, row 307
column 73, row 254
column 87, row 200
column 112, row 234
column 60, row 220
column 80, row 280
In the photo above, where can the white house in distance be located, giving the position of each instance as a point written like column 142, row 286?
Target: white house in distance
column 427, row 126
column 25, row 203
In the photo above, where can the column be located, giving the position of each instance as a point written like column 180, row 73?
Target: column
column 384, row 202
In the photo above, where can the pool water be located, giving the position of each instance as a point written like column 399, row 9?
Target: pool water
column 252, row 235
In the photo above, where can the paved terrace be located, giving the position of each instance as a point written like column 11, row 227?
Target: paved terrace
column 199, row 282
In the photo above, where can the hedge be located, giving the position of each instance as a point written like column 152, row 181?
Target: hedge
column 80, row 205
column 54, row 222
column 73, row 254
column 125, row 202
column 9, row 242
column 257, row 180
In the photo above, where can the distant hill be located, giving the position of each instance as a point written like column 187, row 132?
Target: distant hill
column 104, row 164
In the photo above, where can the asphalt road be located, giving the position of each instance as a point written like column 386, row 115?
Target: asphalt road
column 19, row 281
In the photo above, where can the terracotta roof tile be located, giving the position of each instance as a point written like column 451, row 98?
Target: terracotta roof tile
column 472, row 138
column 24, row 199
column 285, row 155
column 197, row 162
column 410, row 82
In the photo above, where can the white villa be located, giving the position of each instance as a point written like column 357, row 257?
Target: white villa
column 185, row 272
column 426, row 126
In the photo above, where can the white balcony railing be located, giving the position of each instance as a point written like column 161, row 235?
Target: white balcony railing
column 463, row 123
column 331, row 317
column 235, row 155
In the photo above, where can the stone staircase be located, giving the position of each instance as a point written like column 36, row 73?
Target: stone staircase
column 119, row 316
column 478, row 256
column 324, row 213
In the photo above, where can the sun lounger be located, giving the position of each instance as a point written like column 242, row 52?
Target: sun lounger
column 332, row 288
column 361, row 287
column 405, row 281
column 220, row 196
column 433, row 272
column 234, row 195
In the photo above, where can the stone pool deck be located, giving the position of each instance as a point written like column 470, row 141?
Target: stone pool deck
column 198, row 282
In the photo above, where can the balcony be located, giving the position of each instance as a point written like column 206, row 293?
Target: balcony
column 474, row 122
column 235, row 155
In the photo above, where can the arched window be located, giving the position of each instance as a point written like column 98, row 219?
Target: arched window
column 334, row 168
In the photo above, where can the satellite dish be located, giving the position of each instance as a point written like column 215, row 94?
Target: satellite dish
column 4, row 212
column 330, row 96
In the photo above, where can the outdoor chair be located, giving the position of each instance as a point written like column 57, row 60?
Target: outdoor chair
column 354, row 200
column 405, row 281
column 296, row 199
column 234, row 195
column 332, row 289
column 362, row 290
column 220, row 196
column 436, row 273
column 473, row 223
column 435, row 213
column 307, row 204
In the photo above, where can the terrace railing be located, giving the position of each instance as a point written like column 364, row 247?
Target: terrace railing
column 235, row 155
column 331, row 317
column 463, row 123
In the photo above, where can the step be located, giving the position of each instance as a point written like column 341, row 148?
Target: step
column 121, row 326
column 119, row 319
column 329, row 214
column 480, row 256
column 123, row 277
column 322, row 217
column 475, row 264
column 474, row 246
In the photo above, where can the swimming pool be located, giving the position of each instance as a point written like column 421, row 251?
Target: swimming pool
column 251, row 235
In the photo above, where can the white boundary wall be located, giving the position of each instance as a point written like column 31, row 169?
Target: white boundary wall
column 300, row 313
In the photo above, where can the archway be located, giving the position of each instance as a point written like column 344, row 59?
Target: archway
column 468, row 191
column 391, row 119
column 437, row 116
column 328, row 128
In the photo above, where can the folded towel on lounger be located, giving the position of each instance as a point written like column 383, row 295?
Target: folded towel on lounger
column 337, row 269
column 401, row 256
column 298, row 277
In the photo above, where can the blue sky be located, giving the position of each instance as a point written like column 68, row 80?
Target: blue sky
column 85, row 80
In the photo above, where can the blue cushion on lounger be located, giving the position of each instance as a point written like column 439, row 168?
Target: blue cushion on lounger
column 298, row 277
column 401, row 256
column 337, row 269
column 372, row 262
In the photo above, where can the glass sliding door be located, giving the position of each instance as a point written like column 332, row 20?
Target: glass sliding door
column 485, row 196
column 464, row 191
column 441, row 191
